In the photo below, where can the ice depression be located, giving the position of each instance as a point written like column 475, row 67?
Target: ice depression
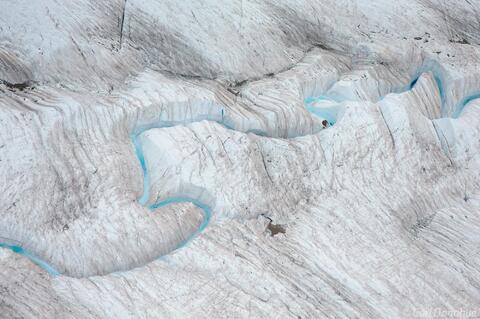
column 130, row 129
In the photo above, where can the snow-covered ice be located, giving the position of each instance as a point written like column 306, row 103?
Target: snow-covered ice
column 245, row 159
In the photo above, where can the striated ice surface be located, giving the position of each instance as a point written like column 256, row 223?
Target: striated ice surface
column 243, row 159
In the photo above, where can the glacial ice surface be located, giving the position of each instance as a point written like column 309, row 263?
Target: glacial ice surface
column 131, row 129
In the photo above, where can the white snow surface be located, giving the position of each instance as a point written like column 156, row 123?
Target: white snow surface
column 239, row 159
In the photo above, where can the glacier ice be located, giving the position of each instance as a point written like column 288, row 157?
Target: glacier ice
column 147, row 148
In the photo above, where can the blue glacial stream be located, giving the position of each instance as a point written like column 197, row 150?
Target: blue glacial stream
column 329, row 114
column 21, row 251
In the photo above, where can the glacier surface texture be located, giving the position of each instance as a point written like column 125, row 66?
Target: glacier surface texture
column 239, row 159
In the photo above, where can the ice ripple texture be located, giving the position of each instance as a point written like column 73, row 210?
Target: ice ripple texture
column 166, row 159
